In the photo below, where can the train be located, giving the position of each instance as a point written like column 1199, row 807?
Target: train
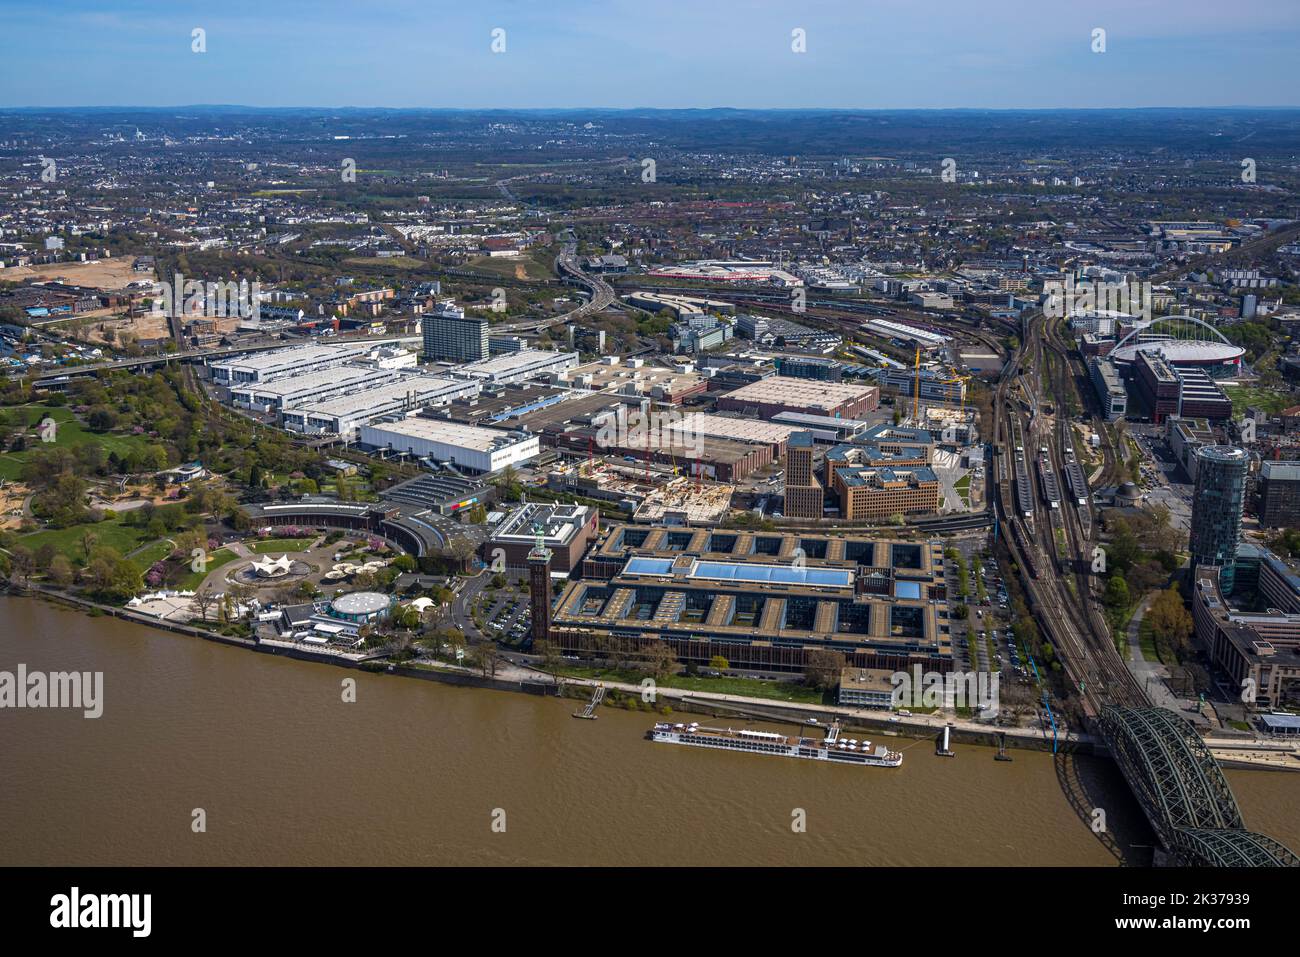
column 1075, row 479
column 1047, row 479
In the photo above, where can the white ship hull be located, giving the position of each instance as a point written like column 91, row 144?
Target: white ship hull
column 806, row 748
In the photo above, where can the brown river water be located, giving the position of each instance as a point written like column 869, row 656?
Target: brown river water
column 416, row 772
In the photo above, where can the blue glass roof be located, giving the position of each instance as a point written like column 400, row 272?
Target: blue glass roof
column 778, row 574
column 648, row 566
column 907, row 589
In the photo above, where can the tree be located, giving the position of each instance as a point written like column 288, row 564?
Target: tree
column 660, row 661
column 486, row 656
column 22, row 563
column 822, row 667
column 60, row 571
column 1117, row 594
column 203, row 599
column 1171, row 624
column 719, row 663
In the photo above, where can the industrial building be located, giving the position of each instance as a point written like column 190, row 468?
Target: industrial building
column 565, row 529
column 825, row 428
column 768, row 397
column 278, row 363
column 465, row 447
column 320, row 385
column 696, row 424
column 343, row 415
column 517, row 366
column 741, row 595
column 912, row 335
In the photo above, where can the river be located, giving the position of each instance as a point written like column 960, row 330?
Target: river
column 416, row 772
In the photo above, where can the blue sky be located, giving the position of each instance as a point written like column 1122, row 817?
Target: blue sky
column 885, row 54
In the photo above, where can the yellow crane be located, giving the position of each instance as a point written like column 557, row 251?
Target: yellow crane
column 916, row 389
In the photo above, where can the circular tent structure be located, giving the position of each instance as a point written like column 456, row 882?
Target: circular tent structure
column 361, row 607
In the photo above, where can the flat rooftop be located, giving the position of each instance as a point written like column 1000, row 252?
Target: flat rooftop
column 558, row 523
column 341, row 375
column 741, row 430
column 355, row 402
column 473, row 437
column 512, row 362
column 277, row 359
column 801, row 393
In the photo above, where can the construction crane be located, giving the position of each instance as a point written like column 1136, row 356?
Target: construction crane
column 916, row 389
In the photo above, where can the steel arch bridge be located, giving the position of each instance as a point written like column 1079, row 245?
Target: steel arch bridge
column 1178, row 323
column 1183, row 792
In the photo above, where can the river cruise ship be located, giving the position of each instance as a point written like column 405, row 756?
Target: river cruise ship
column 833, row 747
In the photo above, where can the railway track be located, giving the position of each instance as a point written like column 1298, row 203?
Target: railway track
column 1053, row 545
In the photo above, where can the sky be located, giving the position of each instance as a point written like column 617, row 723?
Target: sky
column 858, row 54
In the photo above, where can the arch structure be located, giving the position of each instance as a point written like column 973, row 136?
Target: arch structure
column 1183, row 792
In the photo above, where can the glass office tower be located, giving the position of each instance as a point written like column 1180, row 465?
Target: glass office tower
column 1217, row 507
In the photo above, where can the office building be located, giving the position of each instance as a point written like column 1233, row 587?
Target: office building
column 741, row 595
column 539, row 592
column 1217, row 508
column 804, row 496
column 1157, row 384
column 1278, row 495
column 1254, row 646
column 1109, row 387
column 1185, row 436
column 564, row 530
column 924, row 384
column 866, row 688
column 451, row 336
column 868, row 491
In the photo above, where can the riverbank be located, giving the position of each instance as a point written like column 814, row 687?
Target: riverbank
column 527, row 679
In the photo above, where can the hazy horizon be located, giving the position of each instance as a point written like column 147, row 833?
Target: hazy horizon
column 652, row 54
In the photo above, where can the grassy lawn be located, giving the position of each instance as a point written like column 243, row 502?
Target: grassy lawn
column 280, row 545
column 1270, row 400
column 751, row 687
column 68, row 432
column 152, row 553
column 192, row 580
column 1147, row 641
column 68, row 540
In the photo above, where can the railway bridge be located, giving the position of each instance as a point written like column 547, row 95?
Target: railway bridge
column 1183, row 792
